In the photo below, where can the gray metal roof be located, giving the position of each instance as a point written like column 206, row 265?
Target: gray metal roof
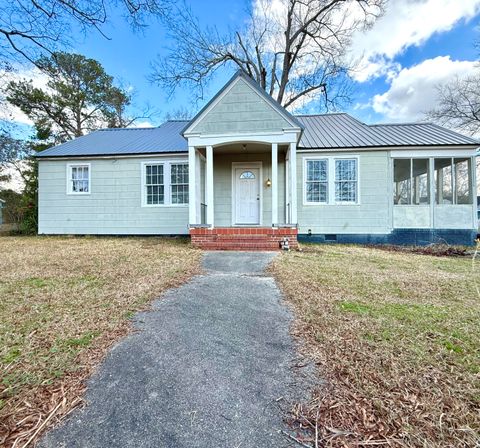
column 334, row 131
column 328, row 131
column 164, row 139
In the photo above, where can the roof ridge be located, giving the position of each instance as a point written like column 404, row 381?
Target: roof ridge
column 408, row 123
column 126, row 129
column 322, row 115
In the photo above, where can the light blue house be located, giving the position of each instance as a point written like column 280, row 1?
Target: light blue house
column 245, row 173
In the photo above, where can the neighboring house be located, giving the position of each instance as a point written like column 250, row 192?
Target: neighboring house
column 245, row 173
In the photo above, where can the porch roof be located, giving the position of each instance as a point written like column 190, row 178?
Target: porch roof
column 327, row 131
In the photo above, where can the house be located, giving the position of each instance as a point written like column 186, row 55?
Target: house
column 245, row 173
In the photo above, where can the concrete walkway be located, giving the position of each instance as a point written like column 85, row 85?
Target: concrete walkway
column 211, row 366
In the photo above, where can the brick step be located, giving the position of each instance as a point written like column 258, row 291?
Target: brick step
column 245, row 238
column 238, row 246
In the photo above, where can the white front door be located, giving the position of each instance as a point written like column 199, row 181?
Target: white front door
column 247, row 196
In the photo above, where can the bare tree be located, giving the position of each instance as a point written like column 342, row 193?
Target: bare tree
column 295, row 49
column 181, row 113
column 459, row 105
column 29, row 28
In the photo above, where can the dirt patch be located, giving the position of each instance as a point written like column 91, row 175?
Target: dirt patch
column 64, row 302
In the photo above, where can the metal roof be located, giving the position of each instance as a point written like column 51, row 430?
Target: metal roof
column 328, row 131
column 164, row 139
column 334, row 131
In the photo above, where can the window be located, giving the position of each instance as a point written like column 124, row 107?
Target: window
column 453, row 181
column 443, row 181
column 179, row 183
column 78, row 179
column 420, row 181
column 346, row 180
column 402, row 181
column 463, row 181
column 154, row 184
column 165, row 183
column 411, row 181
column 316, row 181
column 247, row 175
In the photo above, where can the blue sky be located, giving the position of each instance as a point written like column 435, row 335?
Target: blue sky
column 417, row 45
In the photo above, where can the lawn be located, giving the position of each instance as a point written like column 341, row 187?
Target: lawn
column 63, row 302
column 396, row 336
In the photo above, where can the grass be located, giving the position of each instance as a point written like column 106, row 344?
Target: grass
column 396, row 336
column 63, row 302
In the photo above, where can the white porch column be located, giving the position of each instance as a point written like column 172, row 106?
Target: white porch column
column 274, row 183
column 293, row 183
column 192, row 186
column 209, row 179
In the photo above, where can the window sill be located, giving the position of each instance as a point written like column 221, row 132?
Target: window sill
column 330, row 204
column 165, row 205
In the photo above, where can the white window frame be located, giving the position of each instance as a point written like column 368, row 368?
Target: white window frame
column 331, row 180
column 70, row 180
column 334, row 181
column 167, row 181
column 305, row 180
column 172, row 184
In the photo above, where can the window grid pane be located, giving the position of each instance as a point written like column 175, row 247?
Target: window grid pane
column 79, row 179
column 316, row 183
column 346, row 180
column 179, row 183
column 154, row 184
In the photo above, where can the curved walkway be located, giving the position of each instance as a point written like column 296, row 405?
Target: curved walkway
column 210, row 366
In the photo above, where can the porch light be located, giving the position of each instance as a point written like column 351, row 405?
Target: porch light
column 268, row 183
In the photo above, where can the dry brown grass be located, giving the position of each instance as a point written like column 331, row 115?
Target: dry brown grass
column 63, row 302
column 396, row 336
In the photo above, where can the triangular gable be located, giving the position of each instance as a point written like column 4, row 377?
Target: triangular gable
column 241, row 106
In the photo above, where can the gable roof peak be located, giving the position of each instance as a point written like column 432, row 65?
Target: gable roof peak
column 240, row 73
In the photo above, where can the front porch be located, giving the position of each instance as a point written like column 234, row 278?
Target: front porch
column 242, row 196
column 242, row 169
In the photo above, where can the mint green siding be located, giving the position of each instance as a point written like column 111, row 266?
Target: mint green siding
column 113, row 207
column 373, row 212
column 241, row 110
column 222, row 171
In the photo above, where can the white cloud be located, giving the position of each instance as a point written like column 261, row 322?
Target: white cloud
column 405, row 23
column 413, row 91
column 12, row 113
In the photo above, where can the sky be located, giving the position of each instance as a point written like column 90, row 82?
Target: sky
column 416, row 46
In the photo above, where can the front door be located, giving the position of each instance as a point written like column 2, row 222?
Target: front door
column 247, row 196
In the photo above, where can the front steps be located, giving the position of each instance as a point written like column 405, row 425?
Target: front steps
column 243, row 238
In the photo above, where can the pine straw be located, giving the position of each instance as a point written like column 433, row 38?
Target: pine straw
column 64, row 302
column 396, row 337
